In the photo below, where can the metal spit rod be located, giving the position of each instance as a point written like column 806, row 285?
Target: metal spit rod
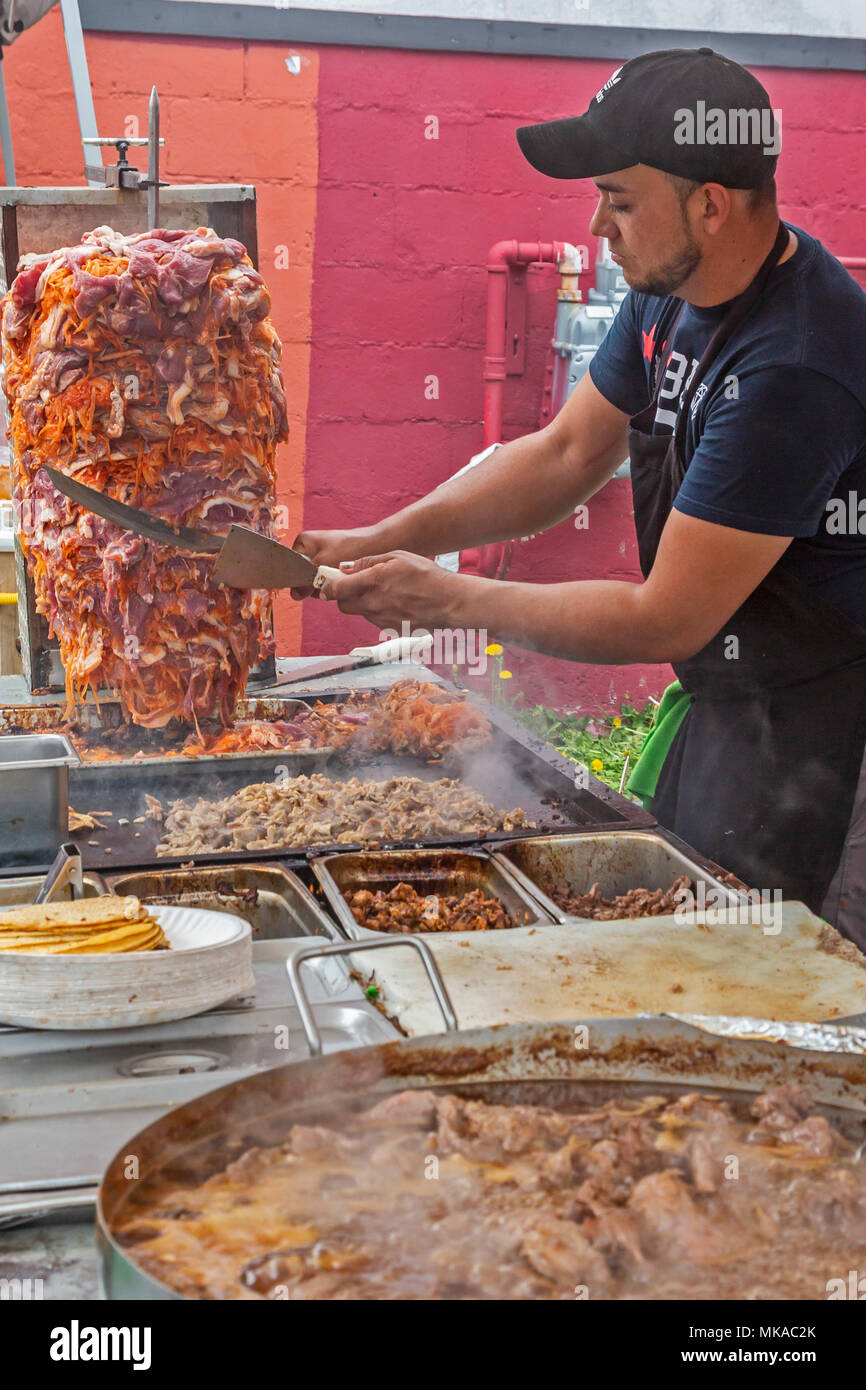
column 153, row 160
column 123, row 175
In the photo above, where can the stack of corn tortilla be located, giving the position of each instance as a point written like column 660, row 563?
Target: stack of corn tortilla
column 89, row 926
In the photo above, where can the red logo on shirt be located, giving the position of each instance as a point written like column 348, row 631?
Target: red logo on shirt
column 649, row 343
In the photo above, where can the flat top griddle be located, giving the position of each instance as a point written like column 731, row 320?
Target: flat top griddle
column 516, row 769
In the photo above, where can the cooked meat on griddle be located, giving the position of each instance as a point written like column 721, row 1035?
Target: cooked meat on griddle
column 146, row 367
column 637, row 902
column 627, row 1199
column 318, row 811
column 413, row 717
column 402, row 909
column 427, row 721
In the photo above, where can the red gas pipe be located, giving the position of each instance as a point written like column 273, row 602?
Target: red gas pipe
column 500, row 259
column 492, row 560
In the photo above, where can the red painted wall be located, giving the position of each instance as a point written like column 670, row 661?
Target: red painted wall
column 388, row 233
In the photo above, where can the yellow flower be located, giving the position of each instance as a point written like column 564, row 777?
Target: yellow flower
column 597, row 765
column 617, row 723
column 493, row 650
column 505, row 675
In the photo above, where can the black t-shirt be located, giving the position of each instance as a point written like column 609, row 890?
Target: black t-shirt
column 776, row 436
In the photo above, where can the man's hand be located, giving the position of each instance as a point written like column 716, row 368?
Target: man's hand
column 390, row 589
column 330, row 547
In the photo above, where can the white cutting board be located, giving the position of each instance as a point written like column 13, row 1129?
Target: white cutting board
column 713, row 964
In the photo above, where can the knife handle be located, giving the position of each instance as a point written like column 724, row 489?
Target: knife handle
column 397, row 649
column 323, row 574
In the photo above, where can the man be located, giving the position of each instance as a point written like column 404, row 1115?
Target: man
column 734, row 376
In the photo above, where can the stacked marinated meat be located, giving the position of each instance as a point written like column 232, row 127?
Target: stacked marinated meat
column 146, row 367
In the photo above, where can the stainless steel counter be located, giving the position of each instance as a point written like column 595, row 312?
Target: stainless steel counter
column 68, row 1100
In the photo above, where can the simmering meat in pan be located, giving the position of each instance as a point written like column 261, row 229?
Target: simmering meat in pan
column 436, row 1196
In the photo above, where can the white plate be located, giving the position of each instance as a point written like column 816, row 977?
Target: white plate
column 210, row 961
column 197, row 929
column 187, row 928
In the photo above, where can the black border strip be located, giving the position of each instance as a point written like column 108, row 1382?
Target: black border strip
column 226, row 21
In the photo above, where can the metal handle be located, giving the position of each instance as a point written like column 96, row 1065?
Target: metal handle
column 346, row 948
column 34, row 1203
column 65, row 869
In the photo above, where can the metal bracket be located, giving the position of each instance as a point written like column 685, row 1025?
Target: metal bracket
column 65, row 869
column 125, row 175
column 349, row 948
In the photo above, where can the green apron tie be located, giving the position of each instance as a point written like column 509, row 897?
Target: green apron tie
column 670, row 714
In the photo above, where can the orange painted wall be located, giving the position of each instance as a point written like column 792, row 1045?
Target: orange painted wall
column 230, row 113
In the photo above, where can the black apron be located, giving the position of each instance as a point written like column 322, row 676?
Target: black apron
column 762, row 772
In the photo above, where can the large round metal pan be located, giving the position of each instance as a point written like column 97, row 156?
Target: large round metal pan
column 544, row 1063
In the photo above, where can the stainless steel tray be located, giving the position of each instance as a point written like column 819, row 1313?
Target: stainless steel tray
column 108, row 716
column 269, row 896
column 617, row 861
column 429, row 871
column 17, row 891
column 34, row 794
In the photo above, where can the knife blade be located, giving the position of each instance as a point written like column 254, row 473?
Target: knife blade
column 132, row 518
column 250, row 561
column 245, row 559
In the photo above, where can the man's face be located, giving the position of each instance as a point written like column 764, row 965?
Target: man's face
column 640, row 213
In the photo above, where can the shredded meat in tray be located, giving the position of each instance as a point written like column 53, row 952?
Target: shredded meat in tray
column 637, row 902
column 629, row 1199
column 403, row 909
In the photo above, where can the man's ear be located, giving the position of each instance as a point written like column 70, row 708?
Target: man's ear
column 716, row 206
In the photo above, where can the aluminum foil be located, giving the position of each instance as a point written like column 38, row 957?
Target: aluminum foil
column 816, row 1037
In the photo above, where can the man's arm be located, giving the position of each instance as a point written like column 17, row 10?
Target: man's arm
column 524, row 487
column 703, row 572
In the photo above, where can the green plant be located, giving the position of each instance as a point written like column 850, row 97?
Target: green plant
column 600, row 742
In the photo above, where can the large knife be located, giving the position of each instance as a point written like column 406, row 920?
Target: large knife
column 245, row 560
column 399, row 650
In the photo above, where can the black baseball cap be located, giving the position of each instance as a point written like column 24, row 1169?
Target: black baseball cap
column 659, row 109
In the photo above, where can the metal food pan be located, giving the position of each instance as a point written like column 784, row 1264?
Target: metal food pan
column 22, row 889
column 518, row 1064
column 108, row 716
column 429, row 871
column 269, row 896
column 617, row 862
column 34, row 796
